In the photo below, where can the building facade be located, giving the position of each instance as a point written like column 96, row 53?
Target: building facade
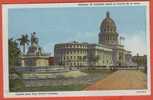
column 82, row 54
column 99, row 55
column 71, row 54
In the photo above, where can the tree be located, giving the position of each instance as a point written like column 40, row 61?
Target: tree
column 24, row 41
column 14, row 52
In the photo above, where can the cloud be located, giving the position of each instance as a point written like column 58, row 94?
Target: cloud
column 136, row 43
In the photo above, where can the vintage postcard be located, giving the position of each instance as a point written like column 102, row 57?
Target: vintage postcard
column 76, row 49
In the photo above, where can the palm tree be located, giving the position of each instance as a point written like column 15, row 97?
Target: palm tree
column 24, row 41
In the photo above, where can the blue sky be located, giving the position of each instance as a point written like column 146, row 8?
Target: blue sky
column 55, row 25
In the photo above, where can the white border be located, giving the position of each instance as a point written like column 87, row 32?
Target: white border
column 5, row 8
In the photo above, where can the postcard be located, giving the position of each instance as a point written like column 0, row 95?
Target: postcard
column 76, row 49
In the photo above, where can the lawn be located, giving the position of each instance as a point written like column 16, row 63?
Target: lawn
column 72, row 87
column 78, row 82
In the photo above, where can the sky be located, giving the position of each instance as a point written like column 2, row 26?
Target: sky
column 66, row 24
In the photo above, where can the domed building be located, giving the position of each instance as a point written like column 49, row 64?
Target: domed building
column 109, row 36
column 108, row 52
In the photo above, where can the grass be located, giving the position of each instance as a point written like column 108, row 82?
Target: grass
column 73, row 87
column 18, row 85
column 15, row 85
column 95, row 71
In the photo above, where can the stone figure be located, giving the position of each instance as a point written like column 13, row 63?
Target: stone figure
column 34, row 39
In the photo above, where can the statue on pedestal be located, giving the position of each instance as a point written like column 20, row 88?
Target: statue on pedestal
column 34, row 39
column 34, row 48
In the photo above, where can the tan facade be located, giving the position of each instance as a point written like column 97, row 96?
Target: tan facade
column 71, row 54
column 82, row 54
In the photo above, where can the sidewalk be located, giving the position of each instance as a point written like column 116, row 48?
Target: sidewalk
column 120, row 80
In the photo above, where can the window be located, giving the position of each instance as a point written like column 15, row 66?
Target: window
column 74, row 64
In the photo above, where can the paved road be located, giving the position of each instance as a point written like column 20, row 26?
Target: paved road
column 122, row 79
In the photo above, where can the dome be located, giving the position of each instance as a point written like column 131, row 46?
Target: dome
column 108, row 25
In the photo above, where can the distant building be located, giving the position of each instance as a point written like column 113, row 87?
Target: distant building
column 140, row 60
column 34, row 56
column 109, row 50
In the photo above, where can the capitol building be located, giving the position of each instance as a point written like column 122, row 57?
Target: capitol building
column 107, row 52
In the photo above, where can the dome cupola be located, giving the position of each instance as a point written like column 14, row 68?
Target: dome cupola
column 108, row 25
column 108, row 34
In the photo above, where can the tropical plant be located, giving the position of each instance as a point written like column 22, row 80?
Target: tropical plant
column 24, row 41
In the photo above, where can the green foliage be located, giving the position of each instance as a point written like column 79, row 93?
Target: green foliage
column 72, row 87
column 24, row 41
column 15, row 85
column 14, row 52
